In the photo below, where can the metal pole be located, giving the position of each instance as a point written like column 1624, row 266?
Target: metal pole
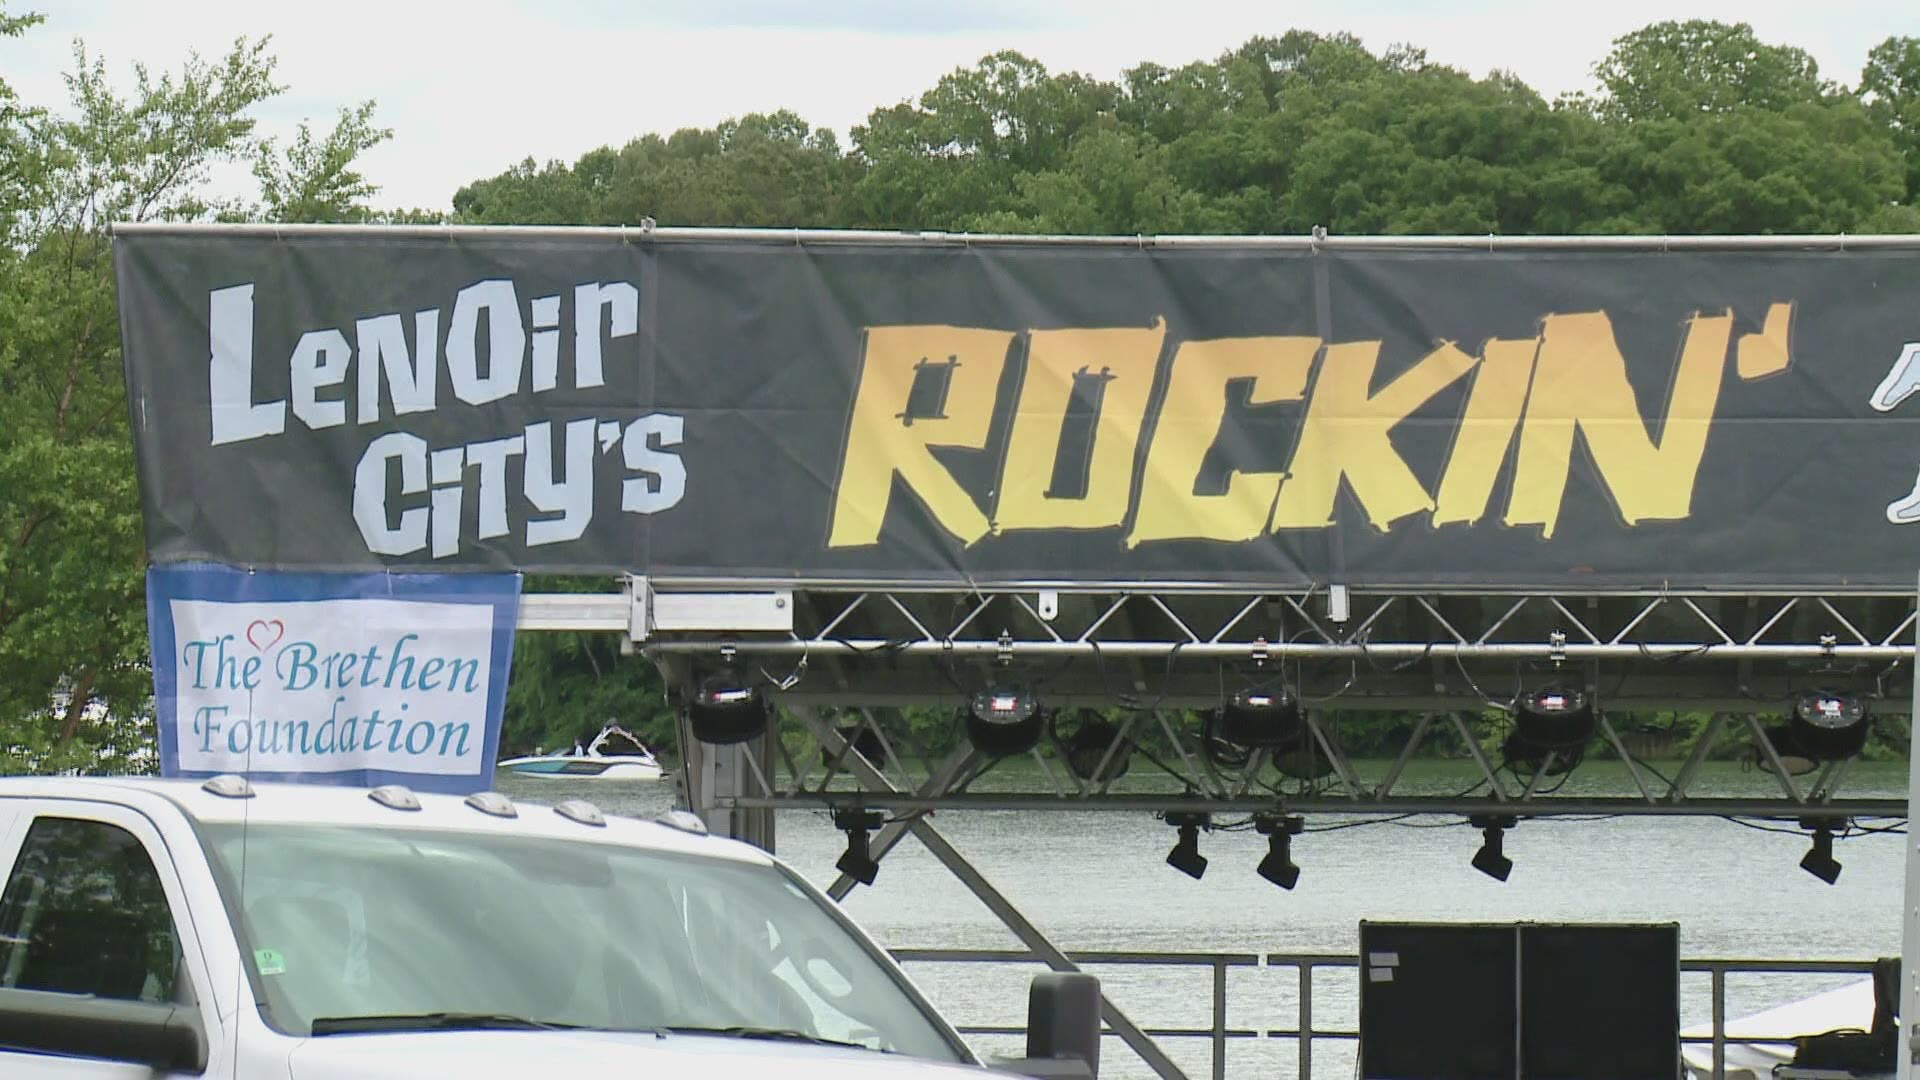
column 1303, row 1019
column 645, row 233
column 1910, row 911
column 1719, row 1023
column 1219, row 1020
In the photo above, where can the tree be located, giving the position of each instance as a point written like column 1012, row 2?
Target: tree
column 1890, row 85
column 74, row 678
column 317, row 181
column 1678, row 70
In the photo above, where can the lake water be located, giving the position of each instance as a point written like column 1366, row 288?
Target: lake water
column 1098, row 880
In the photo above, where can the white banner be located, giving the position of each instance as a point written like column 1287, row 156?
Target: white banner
column 343, row 687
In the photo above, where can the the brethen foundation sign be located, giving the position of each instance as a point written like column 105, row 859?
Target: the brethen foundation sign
column 823, row 408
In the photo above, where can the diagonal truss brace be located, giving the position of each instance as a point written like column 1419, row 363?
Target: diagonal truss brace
column 1003, row 908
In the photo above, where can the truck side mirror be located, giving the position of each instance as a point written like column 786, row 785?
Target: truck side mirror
column 1063, row 1028
column 165, row 1037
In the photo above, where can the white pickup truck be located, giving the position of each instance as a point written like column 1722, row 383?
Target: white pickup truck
column 237, row 930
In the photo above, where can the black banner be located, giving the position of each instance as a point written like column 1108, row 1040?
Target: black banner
column 816, row 409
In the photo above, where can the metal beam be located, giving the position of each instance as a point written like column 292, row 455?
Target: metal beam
column 1315, row 650
column 648, row 232
column 1537, row 807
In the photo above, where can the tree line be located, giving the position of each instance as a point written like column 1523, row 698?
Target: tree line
column 1690, row 127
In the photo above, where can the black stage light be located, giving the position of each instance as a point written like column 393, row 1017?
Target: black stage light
column 1278, row 866
column 1828, row 726
column 857, row 862
column 1819, row 860
column 726, row 709
column 1786, row 746
column 1261, row 719
column 1558, row 721
column 1491, row 859
column 865, row 740
column 1004, row 721
column 1088, row 746
column 1185, row 856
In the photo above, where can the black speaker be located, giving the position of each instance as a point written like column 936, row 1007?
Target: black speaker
column 1600, row 1002
column 1438, row 1001
column 1463, row 1001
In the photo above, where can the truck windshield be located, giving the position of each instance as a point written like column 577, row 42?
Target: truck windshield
column 349, row 926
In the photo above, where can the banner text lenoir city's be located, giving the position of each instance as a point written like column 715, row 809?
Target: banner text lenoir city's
column 409, row 496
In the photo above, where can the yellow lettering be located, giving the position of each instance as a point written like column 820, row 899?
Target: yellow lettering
column 1580, row 382
column 884, row 440
column 1126, row 359
column 1486, row 431
column 1190, row 421
column 1765, row 353
column 1347, row 431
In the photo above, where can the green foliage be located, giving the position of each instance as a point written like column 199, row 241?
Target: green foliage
column 316, row 181
column 74, row 680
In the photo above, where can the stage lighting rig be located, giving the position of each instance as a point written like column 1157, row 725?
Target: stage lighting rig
column 857, row 862
column 1826, row 725
column 1185, row 856
column 1279, row 829
column 726, row 708
column 1491, row 859
column 1556, row 720
column 1003, row 721
column 1819, row 860
column 1088, row 746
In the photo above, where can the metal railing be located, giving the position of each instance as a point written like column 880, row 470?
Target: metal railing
column 1304, row 1032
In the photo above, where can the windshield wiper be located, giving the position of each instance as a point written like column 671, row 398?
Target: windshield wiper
column 440, row 1021
column 781, row 1034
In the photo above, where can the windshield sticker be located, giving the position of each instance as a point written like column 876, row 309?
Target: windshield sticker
column 269, row 961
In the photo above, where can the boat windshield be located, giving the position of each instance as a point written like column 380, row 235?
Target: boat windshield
column 350, row 926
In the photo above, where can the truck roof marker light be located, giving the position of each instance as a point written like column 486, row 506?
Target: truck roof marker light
column 229, row 786
column 683, row 820
column 494, row 803
column 395, row 797
column 582, row 811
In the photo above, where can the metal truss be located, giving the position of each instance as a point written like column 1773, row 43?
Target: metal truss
column 1394, row 651
column 1157, row 761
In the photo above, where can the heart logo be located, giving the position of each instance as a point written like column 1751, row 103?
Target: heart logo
column 264, row 634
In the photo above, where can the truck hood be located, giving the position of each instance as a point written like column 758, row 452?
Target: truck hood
column 594, row 1055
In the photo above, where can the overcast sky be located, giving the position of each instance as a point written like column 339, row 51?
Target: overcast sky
column 471, row 87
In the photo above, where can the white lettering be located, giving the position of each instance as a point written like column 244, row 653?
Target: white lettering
column 664, row 479
column 571, row 498
column 319, row 360
column 370, row 494
column 623, row 300
column 235, row 416
column 506, row 342
column 411, row 380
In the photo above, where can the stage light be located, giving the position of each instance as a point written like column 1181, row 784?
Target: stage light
column 1261, row 719
column 1279, row 830
column 1558, row 721
column 1088, row 746
column 1185, row 856
column 1819, row 860
column 725, row 709
column 1491, row 859
column 865, row 740
column 1004, row 721
column 1795, row 761
column 857, row 862
column 1828, row 726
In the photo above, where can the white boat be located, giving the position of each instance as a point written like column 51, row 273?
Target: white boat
column 592, row 762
